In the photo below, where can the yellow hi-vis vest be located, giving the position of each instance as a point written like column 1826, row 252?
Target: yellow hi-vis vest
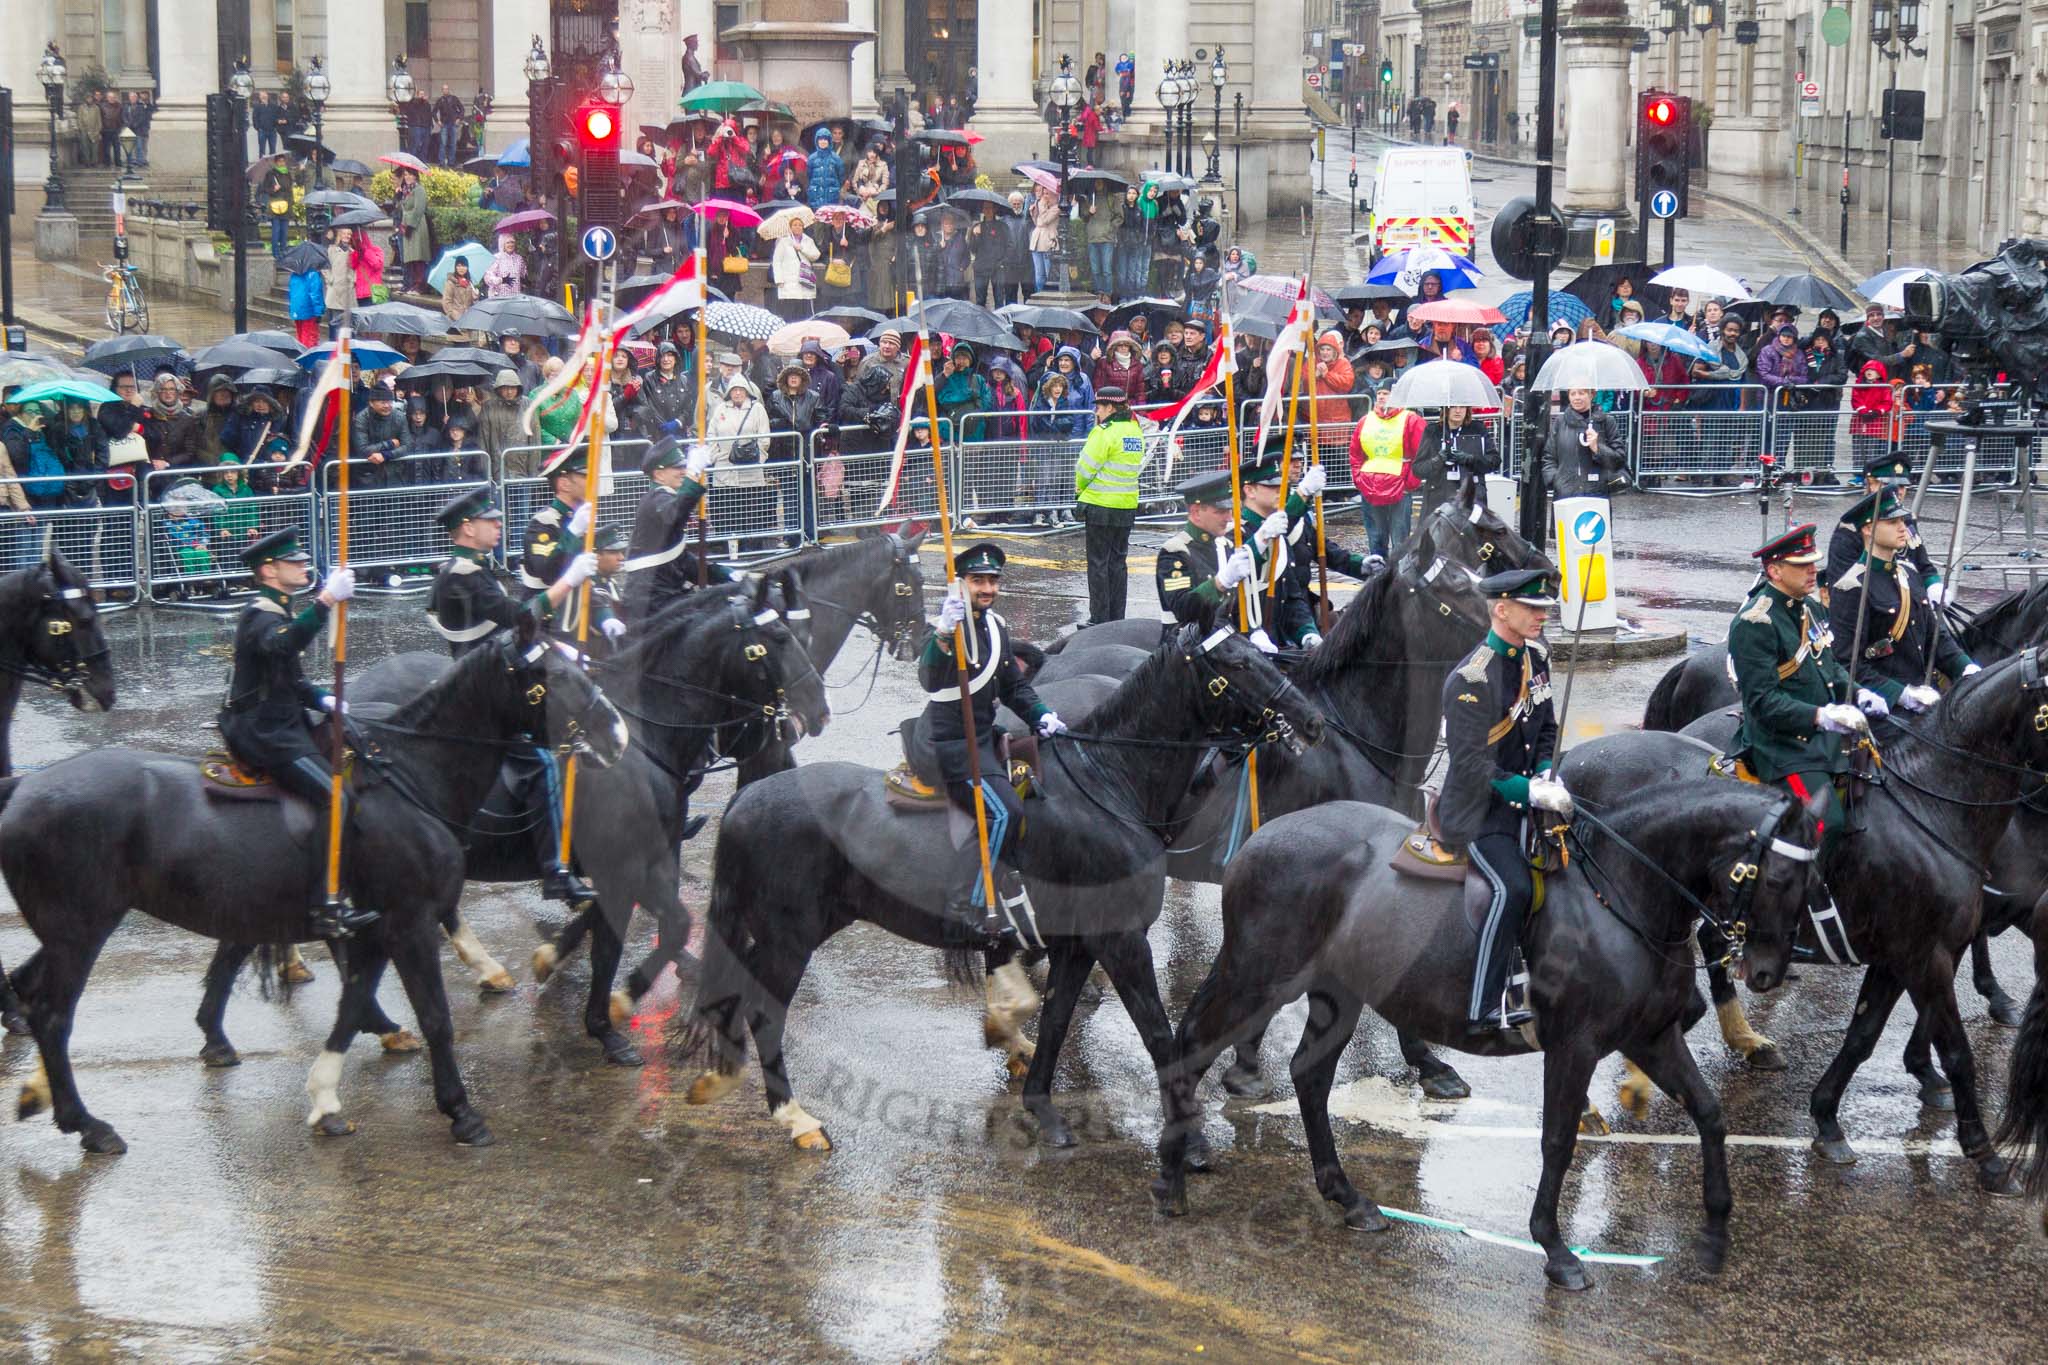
column 1382, row 443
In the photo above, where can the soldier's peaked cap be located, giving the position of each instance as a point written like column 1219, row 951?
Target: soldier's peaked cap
column 277, row 545
column 471, row 504
column 983, row 557
column 1796, row 546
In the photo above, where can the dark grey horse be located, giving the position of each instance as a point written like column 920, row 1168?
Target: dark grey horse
column 87, row 840
column 1603, row 976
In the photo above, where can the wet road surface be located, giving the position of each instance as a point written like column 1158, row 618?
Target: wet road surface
column 612, row 1222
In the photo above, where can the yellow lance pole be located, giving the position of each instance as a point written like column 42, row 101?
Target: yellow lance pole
column 1315, row 447
column 1244, row 590
column 340, row 400
column 703, row 387
column 593, row 481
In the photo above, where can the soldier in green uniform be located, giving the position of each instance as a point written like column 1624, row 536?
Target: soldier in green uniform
column 263, row 719
column 468, row 604
column 1500, row 739
column 1799, row 706
column 1298, row 616
column 659, row 566
column 554, row 539
column 1887, row 469
column 1901, row 630
column 1197, row 570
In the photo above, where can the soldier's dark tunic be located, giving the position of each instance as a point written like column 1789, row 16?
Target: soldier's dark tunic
column 1185, row 574
column 264, row 719
column 1900, row 628
column 660, row 565
column 549, row 548
column 1783, row 654
column 993, row 675
column 469, row 602
column 1299, row 618
column 1845, row 547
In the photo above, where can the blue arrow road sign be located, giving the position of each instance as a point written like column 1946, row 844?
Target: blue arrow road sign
column 599, row 243
column 1663, row 204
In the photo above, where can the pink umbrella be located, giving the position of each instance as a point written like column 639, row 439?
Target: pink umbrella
column 405, row 159
column 523, row 220
column 847, row 214
column 738, row 212
column 1043, row 179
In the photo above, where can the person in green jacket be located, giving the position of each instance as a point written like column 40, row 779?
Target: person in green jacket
column 1103, row 220
column 239, row 520
column 1106, row 485
column 416, row 240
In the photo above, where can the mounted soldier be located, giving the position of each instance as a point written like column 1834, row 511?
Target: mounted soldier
column 1196, row 571
column 1901, row 629
column 467, row 605
column 659, row 566
column 263, row 719
column 554, row 540
column 993, row 674
column 1887, row 469
column 1299, row 622
column 1500, row 734
column 1799, row 706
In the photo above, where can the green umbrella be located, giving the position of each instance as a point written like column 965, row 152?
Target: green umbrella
column 721, row 96
column 57, row 390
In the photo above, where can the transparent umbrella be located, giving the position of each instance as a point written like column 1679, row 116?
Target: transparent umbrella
column 1447, row 384
column 1590, row 365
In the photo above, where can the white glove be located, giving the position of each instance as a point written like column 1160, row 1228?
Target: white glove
column 1871, row 704
column 952, row 611
column 1313, row 483
column 614, row 629
column 580, row 568
column 1262, row 641
column 1272, row 528
column 1937, row 593
column 1237, row 566
column 1918, row 698
column 1050, row 724
column 1973, row 668
column 1374, row 563
column 1311, row 640
column 330, row 705
column 1547, row 793
column 1840, row 718
column 698, row 463
column 340, row 585
column 579, row 521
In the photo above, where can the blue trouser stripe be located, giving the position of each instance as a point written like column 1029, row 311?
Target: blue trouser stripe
column 998, row 830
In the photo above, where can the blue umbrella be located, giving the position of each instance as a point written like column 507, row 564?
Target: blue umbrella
column 1868, row 288
column 515, row 154
column 1565, row 308
column 370, row 355
column 1671, row 338
column 83, row 390
column 1456, row 272
column 476, row 253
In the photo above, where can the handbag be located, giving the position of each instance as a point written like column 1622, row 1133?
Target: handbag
column 839, row 273
column 734, row 265
column 280, row 208
column 806, row 275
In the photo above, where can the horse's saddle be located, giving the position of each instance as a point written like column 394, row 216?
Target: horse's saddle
column 1724, row 765
column 224, row 779
column 1425, row 854
column 909, row 788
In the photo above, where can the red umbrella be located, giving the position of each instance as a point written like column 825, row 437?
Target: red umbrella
column 739, row 213
column 405, row 159
column 1457, row 311
column 974, row 139
column 521, row 221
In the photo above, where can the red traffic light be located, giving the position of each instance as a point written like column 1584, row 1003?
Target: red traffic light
column 1661, row 111
column 599, row 125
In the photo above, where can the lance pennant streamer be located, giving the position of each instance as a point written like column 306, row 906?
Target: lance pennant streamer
column 331, row 380
column 916, row 375
column 1222, row 361
column 1293, row 341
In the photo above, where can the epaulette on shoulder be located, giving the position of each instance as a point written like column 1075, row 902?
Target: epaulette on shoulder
column 1758, row 612
column 1852, row 578
column 1178, row 543
column 1474, row 668
column 549, row 515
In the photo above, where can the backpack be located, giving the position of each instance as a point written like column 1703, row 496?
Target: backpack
column 43, row 480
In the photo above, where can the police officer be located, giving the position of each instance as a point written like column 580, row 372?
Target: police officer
column 1501, row 737
column 1887, row 469
column 554, row 537
column 1298, row 624
column 1197, row 570
column 1106, row 487
column 264, row 719
column 1798, row 703
column 993, row 675
column 468, row 604
column 1901, row 630
column 659, row 566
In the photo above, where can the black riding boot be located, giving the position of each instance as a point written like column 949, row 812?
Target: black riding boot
column 1498, row 859
column 331, row 917
column 533, row 776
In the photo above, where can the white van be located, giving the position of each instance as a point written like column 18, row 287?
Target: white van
column 1422, row 195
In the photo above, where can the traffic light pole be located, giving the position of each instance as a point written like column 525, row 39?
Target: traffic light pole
column 239, row 189
column 1891, row 155
column 1535, row 516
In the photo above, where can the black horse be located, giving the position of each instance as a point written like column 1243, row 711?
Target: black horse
column 805, row 853
column 703, row 672
column 1603, row 974
column 2023, row 1127
column 49, row 634
column 89, row 839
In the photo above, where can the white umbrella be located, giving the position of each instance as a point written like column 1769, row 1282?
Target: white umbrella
column 1892, row 294
column 1445, row 384
column 1589, row 365
column 1702, row 280
column 741, row 320
column 786, row 221
column 790, row 338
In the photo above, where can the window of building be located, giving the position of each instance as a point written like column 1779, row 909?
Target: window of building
column 417, row 41
column 284, row 36
column 113, row 24
column 728, row 16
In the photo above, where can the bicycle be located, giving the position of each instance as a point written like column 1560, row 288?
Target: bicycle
column 127, row 309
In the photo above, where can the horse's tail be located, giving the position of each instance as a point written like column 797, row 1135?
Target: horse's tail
column 713, row 1030
column 2023, row 1128
column 7, row 786
column 1657, row 711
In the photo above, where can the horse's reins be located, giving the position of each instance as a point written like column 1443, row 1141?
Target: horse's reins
column 71, row 674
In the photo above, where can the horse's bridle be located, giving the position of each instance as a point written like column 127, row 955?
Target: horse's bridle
column 900, row 631
column 575, row 734
column 71, row 675
column 1212, row 684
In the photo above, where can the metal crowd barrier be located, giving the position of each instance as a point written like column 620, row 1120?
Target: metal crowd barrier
column 848, row 475
column 391, row 507
column 190, row 556
column 88, row 518
column 1012, row 475
column 1709, row 431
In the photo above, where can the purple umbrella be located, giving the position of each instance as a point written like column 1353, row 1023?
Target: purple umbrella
column 521, row 221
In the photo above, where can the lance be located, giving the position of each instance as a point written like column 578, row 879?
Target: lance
column 593, row 482
column 1244, row 590
column 931, row 406
column 1955, row 553
column 1323, row 613
column 703, row 385
column 340, row 400
column 1286, row 477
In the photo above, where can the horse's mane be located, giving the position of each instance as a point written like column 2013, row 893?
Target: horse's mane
column 855, row 552
column 1137, row 694
column 453, row 685
column 1987, row 626
column 1359, row 629
column 678, row 619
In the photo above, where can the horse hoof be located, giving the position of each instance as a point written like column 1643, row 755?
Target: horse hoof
column 1593, row 1123
column 1995, row 1177
column 405, row 1040
column 1246, row 1084
column 220, row 1055
column 1198, row 1157
column 470, row 1131
column 710, row 1087
column 619, row 1052
column 33, row 1100
column 2004, row 1010
column 1169, row 1200
column 1365, row 1216
column 14, row 1022
column 498, row 983
column 1766, row 1057
column 100, row 1140
column 332, row 1125
column 1569, row 1275
column 1712, row 1251
column 1053, row 1130
column 1835, row 1150
column 1938, row 1095
column 1018, row 1065
column 621, row 1009
column 813, row 1141
column 544, row 959
column 1445, row 1085
column 295, row 973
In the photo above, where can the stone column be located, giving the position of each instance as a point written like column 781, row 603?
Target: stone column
column 1005, row 113
column 262, row 53
column 891, row 65
column 1162, row 37
column 134, row 55
column 1594, row 53
column 862, row 14
column 190, row 72
column 798, row 49
column 513, row 27
column 358, row 121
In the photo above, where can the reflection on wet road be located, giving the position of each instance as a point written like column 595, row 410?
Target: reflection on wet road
column 612, row 1222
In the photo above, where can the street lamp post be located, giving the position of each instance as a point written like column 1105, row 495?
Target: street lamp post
column 52, row 74
column 1219, row 76
column 242, row 87
column 1066, row 98
column 542, row 174
column 318, row 88
column 1237, row 149
column 1891, row 19
column 1169, row 101
column 1187, row 118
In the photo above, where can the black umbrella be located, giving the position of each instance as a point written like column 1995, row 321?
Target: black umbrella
column 1369, row 293
column 142, row 354
column 1047, row 319
column 481, row 165
column 238, row 356
column 1156, row 308
column 349, row 166
column 850, row 317
column 282, row 377
column 339, row 199
column 1595, row 288
column 271, row 340
column 522, row 313
column 472, row 355
column 930, row 212
column 977, row 196
column 1094, row 176
column 1257, row 327
column 358, row 218
column 305, row 256
column 401, row 319
column 961, row 320
column 304, row 145
column 461, row 371
column 941, row 137
column 1806, row 291
column 771, row 207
